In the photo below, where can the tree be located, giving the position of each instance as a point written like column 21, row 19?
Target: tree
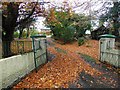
column 60, row 24
column 66, row 25
column 82, row 23
column 113, row 16
column 16, row 14
column 26, row 24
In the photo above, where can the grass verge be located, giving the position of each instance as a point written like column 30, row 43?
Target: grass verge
column 60, row 50
column 87, row 58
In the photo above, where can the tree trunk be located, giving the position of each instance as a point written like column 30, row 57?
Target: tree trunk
column 116, row 27
column 6, row 46
column 6, row 43
column 28, row 33
column 20, row 35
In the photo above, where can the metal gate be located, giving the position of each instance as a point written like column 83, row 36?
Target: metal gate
column 40, row 50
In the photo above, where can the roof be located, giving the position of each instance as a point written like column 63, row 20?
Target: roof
column 99, row 28
column 107, row 36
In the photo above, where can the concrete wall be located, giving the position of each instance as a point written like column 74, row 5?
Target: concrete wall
column 108, row 53
column 0, row 77
column 0, row 50
column 15, row 67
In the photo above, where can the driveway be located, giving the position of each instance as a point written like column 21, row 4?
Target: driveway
column 72, row 66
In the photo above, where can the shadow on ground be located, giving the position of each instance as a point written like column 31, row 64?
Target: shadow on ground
column 109, row 79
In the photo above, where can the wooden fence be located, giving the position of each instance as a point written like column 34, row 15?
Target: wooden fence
column 16, row 47
column 21, row 46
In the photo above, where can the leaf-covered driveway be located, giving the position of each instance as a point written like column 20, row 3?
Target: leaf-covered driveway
column 70, row 66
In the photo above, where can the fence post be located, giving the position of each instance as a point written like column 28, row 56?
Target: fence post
column 46, row 49
column 17, row 46
column 34, row 54
column 106, row 42
column 23, row 46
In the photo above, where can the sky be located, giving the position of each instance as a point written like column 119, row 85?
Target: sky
column 88, row 8
column 39, row 23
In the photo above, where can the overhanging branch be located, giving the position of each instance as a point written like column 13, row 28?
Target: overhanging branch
column 23, row 20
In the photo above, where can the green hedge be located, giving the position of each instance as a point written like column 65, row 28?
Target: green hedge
column 81, row 41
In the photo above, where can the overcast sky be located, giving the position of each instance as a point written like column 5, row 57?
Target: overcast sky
column 88, row 7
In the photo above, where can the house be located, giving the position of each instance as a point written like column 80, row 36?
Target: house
column 99, row 31
column 45, row 31
column 87, row 34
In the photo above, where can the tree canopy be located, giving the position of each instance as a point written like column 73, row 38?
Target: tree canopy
column 67, row 25
column 18, row 14
column 113, row 17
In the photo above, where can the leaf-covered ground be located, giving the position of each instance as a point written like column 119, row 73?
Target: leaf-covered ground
column 72, row 66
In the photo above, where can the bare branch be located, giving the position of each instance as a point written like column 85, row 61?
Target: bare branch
column 23, row 20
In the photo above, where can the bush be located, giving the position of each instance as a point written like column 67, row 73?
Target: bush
column 66, row 26
column 81, row 41
column 24, row 33
column 34, row 32
column 16, row 34
column 68, row 34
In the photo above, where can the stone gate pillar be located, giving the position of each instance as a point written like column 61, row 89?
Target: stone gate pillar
column 106, row 42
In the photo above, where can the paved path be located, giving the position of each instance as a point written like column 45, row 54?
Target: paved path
column 69, row 69
column 109, row 78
